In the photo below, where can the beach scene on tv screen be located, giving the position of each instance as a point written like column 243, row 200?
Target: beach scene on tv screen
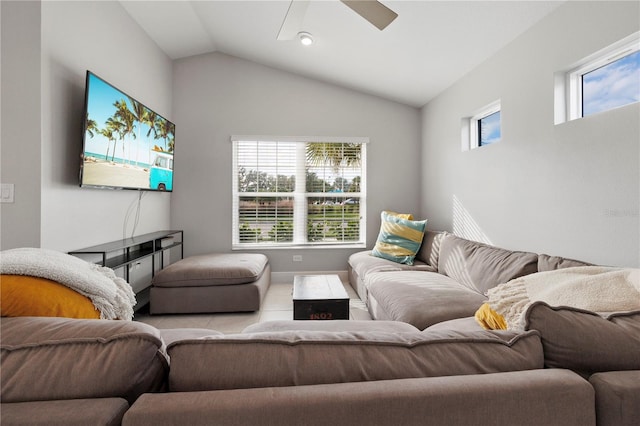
column 126, row 145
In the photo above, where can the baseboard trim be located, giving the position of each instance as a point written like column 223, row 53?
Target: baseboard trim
column 287, row 277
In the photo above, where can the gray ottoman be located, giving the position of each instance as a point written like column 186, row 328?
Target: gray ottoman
column 232, row 282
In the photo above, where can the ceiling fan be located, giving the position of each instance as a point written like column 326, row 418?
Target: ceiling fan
column 373, row 11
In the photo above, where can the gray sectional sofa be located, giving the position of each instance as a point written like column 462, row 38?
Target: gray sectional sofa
column 433, row 366
column 448, row 280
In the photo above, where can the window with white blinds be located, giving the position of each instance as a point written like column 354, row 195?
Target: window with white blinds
column 291, row 192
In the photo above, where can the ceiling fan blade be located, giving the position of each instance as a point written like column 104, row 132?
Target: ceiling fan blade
column 373, row 11
column 293, row 20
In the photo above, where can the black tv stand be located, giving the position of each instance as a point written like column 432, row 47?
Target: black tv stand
column 136, row 259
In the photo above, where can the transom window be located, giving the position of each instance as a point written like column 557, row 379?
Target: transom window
column 298, row 191
column 603, row 81
column 483, row 127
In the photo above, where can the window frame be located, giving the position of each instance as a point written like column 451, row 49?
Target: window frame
column 299, row 196
column 569, row 82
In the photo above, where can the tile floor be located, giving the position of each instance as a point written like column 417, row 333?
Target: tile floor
column 277, row 305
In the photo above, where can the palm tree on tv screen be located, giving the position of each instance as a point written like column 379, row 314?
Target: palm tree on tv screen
column 107, row 132
column 116, row 126
column 140, row 115
column 92, row 126
column 128, row 120
column 166, row 131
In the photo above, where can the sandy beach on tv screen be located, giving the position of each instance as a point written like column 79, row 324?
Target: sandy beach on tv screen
column 103, row 173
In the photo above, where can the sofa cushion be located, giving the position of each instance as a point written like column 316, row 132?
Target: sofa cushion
column 549, row 263
column 479, row 266
column 27, row 296
column 336, row 325
column 430, row 249
column 364, row 263
column 419, row 298
column 467, row 324
column 313, row 357
column 212, row 269
column 584, row 341
column 170, row 335
column 69, row 412
column 617, row 398
column 399, row 239
column 522, row 398
column 61, row 358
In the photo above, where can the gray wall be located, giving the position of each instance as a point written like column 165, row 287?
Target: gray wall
column 21, row 129
column 46, row 49
column 571, row 189
column 216, row 96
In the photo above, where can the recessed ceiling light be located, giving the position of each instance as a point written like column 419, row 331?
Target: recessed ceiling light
column 305, row 38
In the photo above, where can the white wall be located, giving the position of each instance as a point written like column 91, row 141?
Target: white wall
column 571, row 189
column 21, row 129
column 216, row 96
column 101, row 37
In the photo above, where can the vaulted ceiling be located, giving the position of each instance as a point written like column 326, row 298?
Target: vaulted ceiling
column 429, row 46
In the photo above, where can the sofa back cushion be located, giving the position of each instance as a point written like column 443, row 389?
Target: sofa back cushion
column 60, row 358
column 584, row 341
column 480, row 267
column 430, row 248
column 551, row 263
column 304, row 357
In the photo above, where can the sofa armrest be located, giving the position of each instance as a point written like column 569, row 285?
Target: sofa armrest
column 617, row 397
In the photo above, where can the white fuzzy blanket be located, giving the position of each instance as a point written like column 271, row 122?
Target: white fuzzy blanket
column 111, row 295
column 593, row 288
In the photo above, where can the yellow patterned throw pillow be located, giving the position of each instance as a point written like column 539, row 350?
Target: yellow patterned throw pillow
column 400, row 237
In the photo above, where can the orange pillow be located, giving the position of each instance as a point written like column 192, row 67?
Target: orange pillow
column 26, row 296
column 490, row 319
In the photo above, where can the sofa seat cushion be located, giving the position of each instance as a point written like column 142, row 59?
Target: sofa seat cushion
column 420, row 298
column 212, row 269
column 584, row 341
column 617, row 397
column 61, row 358
column 364, row 263
column 95, row 412
column 479, row 266
column 336, row 325
column 313, row 357
column 467, row 324
column 170, row 335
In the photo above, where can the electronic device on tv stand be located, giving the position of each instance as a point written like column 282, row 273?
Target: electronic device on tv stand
column 125, row 145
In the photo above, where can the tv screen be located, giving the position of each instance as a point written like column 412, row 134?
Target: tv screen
column 125, row 144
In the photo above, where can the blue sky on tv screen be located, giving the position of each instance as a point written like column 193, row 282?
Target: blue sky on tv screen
column 100, row 107
column 612, row 85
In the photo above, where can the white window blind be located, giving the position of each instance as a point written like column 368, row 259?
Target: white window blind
column 298, row 191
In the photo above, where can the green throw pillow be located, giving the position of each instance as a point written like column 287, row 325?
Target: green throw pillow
column 399, row 239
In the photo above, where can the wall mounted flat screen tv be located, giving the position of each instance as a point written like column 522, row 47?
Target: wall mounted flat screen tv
column 125, row 144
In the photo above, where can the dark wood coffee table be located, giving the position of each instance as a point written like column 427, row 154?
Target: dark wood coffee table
column 319, row 297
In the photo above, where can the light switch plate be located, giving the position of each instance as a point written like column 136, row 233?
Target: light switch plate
column 6, row 191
